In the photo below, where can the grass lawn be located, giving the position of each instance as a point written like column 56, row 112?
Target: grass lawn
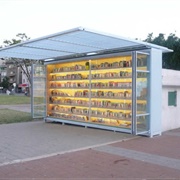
column 12, row 116
column 14, row 99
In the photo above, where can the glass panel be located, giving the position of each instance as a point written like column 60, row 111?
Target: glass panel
column 97, row 91
column 39, row 111
column 38, row 100
column 142, row 96
column 142, row 92
column 39, row 71
column 39, row 85
column 68, row 91
column 111, row 91
column 142, row 124
column 142, row 60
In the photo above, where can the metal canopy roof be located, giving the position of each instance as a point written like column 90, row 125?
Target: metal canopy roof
column 73, row 43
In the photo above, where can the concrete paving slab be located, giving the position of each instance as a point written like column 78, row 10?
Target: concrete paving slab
column 33, row 140
column 21, row 107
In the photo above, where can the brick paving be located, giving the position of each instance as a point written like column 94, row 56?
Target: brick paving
column 87, row 164
column 167, row 145
column 141, row 156
column 93, row 163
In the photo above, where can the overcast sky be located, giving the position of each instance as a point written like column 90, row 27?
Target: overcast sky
column 127, row 18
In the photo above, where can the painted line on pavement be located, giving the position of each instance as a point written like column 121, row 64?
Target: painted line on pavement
column 141, row 156
column 173, row 133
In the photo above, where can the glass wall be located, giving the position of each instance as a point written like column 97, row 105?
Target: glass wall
column 97, row 92
column 38, row 91
column 142, row 97
column 110, row 93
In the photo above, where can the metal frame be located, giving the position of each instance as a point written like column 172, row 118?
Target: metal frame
column 148, row 97
column 32, row 89
column 32, row 92
column 134, row 101
column 89, row 57
column 89, row 124
column 109, row 46
column 133, row 129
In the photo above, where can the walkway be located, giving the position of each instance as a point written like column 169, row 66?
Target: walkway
column 19, row 107
column 136, row 158
column 34, row 140
column 51, row 150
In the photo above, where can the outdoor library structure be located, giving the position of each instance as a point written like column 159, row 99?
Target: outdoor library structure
column 95, row 80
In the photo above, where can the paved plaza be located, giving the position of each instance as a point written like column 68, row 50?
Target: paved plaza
column 32, row 140
column 52, row 150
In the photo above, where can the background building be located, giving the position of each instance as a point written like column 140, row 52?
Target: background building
column 3, row 71
column 170, row 99
column 14, row 73
column 24, row 81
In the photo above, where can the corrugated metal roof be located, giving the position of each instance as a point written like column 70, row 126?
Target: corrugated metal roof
column 73, row 43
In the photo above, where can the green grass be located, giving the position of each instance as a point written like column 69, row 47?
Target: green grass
column 12, row 116
column 14, row 99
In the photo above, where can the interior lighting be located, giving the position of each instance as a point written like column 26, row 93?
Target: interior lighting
column 91, row 53
column 50, row 59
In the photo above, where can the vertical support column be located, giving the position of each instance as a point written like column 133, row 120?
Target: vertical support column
column 155, row 92
column 134, row 127
column 90, row 77
column 45, row 90
column 32, row 86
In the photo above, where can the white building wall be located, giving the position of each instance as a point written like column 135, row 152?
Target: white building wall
column 24, row 79
column 170, row 114
column 155, row 92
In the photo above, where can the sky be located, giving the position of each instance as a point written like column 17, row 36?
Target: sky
column 126, row 18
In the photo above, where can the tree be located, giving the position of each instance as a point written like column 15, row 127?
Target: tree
column 149, row 38
column 22, row 63
column 169, row 60
column 21, row 37
column 5, row 83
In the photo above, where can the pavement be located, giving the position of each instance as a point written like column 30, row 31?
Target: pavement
column 20, row 107
column 39, row 150
column 34, row 140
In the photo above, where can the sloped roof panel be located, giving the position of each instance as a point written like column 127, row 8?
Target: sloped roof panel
column 37, row 51
column 53, row 44
column 90, row 39
column 71, row 43
column 11, row 54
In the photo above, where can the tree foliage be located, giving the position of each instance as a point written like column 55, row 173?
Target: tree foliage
column 22, row 63
column 20, row 38
column 5, row 83
column 170, row 60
